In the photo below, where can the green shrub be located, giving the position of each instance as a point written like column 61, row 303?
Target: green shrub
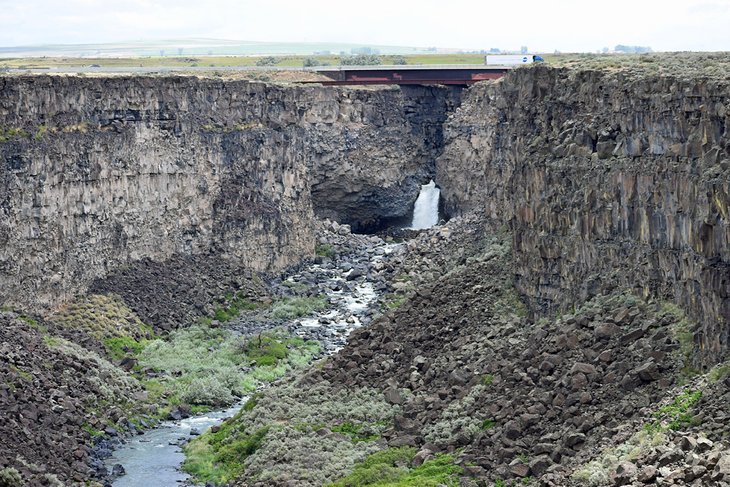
column 251, row 403
column 390, row 468
column 10, row 477
column 11, row 133
column 204, row 365
column 356, row 432
column 675, row 415
column 232, row 307
column 265, row 349
column 455, row 421
column 267, row 61
column 103, row 317
column 208, row 391
column 719, row 372
column 325, row 250
column 292, row 449
column 681, row 330
column 119, row 347
column 361, row 60
column 394, row 301
column 220, row 459
column 290, row 308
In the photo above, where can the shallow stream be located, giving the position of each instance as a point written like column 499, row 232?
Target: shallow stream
column 154, row 458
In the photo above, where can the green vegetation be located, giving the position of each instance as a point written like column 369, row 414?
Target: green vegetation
column 93, row 432
column 10, row 477
column 23, row 374
column 488, row 424
column 251, row 402
column 719, row 372
column 681, row 330
column 233, row 61
column 356, row 432
column 403, row 284
column 290, row 308
column 454, row 422
column 220, row 458
column 42, row 129
column 267, row 350
column 15, row 133
column 102, row 316
column 11, row 133
column 108, row 319
column 122, row 346
column 510, row 303
column 267, row 61
column 676, row 64
column 394, row 301
column 361, row 60
column 675, row 415
column 487, row 379
column 390, row 468
column 598, row 472
column 297, row 287
column 232, row 307
column 294, row 446
column 209, row 366
column 325, row 250
column 33, row 323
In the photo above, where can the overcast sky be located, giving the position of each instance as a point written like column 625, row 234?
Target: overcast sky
column 572, row 25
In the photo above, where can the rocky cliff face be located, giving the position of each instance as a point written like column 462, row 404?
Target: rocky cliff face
column 369, row 169
column 100, row 173
column 606, row 181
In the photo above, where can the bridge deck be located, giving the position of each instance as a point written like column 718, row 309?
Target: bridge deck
column 411, row 75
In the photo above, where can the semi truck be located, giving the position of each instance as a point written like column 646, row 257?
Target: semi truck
column 512, row 59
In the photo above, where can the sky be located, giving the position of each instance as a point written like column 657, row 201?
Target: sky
column 542, row 25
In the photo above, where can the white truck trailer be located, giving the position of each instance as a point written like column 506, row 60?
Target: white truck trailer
column 512, row 59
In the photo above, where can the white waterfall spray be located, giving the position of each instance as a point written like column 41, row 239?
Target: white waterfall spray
column 426, row 209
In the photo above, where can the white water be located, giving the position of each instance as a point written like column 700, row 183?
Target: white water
column 154, row 458
column 426, row 209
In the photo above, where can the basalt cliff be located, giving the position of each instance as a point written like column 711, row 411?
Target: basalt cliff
column 606, row 180
column 556, row 329
column 101, row 174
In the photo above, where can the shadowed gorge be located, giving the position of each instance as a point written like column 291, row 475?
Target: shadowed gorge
column 173, row 245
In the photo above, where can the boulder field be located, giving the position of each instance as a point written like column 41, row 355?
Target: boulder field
column 568, row 325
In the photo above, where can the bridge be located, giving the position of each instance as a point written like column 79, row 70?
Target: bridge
column 411, row 75
column 453, row 74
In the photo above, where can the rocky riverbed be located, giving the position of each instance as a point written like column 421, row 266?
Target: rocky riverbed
column 458, row 373
column 353, row 273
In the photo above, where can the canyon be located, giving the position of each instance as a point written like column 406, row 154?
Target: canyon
column 582, row 204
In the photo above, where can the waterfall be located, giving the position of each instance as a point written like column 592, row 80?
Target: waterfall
column 426, row 209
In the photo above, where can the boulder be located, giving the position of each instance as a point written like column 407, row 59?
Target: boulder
column 648, row 372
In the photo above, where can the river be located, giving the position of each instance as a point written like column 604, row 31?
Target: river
column 352, row 288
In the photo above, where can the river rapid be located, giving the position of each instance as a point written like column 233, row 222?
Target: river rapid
column 352, row 282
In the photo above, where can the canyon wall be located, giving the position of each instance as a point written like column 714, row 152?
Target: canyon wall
column 102, row 173
column 607, row 180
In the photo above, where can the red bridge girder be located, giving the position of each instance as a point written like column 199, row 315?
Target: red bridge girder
column 411, row 75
